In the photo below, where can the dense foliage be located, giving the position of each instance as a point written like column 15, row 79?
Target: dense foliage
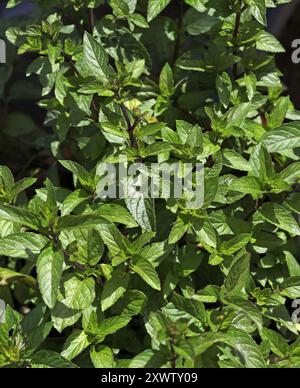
column 91, row 282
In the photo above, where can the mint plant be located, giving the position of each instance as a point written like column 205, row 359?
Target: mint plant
column 144, row 282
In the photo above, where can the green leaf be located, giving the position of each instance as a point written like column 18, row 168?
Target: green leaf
column 293, row 203
column 85, row 246
column 149, row 359
column 85, row 221
column 250, row 81
column 203, row 342
column 114, row 289
column 235, row 244
column 51, row 202
column 186, row 309
column 155, row 7
column 116, row 280
column 118, row 214
column 111, row 325
column 291, row 174
column 132, row 5
column 178, row 231
column 139, row 20
column 267, row 42
column 238, row 276
column 35, row 328
column 73, row 200
column 279, row 216
column 224, row 88
column 74, row 296
column 12, row 3
column 291, row 288
column 33, row 319
column 284, row 138
column 157, row 149
column 120, row 7
column 278, row 114
column 276, row 341
column 80, row 172
column 20, row 216
column 197, row 4
column 78, row 295
column 7, row 277
column 249, row 309
column 75, row 344
column 38, row 335
column 206, row 234
column 96, row 58
column 103, row 357
column 248, row 349
column 49, row 270
column 131, row 304
column 113, row 239
column 258, row 10
column 151, row 129
column 49, row 359
column 22, row 245
column 147, row 272
column 236, row 116
column 7, row 181
column 197, row 24
column 261, row 163
column 22, row 185
column 142, row 210
column 247, row 185
column 292, row 264
column 190, row 135
column 166, row 81
column 234, row 160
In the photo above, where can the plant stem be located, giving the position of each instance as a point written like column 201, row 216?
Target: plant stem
column 235, row 35
column 72, row 64
column 94, row 106
column 174, row 356
column 237, row 24
column 126, row 116
column 130, row 127
column 91, row 20
column 178, row 41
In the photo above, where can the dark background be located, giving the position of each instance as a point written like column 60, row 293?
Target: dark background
column 283, row 22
